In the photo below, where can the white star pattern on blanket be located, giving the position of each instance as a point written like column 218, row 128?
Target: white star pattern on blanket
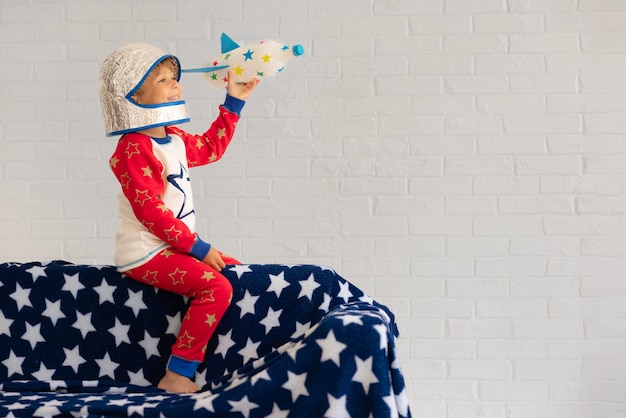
column 295, row 338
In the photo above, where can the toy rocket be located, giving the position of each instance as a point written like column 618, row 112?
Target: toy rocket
column 264, row 59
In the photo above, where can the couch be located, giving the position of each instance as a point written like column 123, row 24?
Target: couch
column 297, row 341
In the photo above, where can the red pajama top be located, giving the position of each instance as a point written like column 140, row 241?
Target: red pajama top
column 156, row 203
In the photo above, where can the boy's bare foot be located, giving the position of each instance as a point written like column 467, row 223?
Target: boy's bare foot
column 174, row 382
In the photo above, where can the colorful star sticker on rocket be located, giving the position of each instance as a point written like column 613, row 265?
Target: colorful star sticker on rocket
column 248, row 55
column 185, row 340
column 266, row 58
column 238, row 70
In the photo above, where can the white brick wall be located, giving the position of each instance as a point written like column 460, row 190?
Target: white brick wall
column 462, row 161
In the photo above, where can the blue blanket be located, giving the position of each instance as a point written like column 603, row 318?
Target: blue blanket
column 297, row 341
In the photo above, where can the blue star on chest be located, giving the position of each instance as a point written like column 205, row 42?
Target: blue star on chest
column 177, row 180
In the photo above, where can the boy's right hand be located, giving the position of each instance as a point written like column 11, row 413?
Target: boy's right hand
column 240, row 91
column 214, row 259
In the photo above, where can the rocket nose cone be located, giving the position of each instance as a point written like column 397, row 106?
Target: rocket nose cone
column 297, row 50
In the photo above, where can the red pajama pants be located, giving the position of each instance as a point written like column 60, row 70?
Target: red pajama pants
column 210, row 295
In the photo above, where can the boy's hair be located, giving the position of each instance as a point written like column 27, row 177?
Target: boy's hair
column 168, row 62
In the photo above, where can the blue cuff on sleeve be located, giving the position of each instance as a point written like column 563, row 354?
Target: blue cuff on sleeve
column 183, row 367
column 200, row 249
column 234, row 104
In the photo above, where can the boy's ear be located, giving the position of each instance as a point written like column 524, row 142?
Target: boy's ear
column 135, row 97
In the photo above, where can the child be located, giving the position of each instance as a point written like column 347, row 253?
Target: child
column 156, row 243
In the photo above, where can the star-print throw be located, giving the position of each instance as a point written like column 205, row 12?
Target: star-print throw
column 297, row 341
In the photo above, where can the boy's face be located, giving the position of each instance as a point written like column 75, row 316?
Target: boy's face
column 160, row 86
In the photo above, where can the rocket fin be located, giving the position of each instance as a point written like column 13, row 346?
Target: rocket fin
column 228, row 44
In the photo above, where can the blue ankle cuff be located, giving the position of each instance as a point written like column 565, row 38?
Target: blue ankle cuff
column 183, row 367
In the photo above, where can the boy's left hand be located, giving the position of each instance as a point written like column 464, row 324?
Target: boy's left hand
column 240, row 91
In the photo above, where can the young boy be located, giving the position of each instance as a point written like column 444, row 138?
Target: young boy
column 156, row 242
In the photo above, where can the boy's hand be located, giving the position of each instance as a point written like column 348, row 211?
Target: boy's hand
column 240, row 91
column 214, row 259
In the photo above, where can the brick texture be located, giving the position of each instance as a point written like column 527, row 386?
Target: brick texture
column 462, row 161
